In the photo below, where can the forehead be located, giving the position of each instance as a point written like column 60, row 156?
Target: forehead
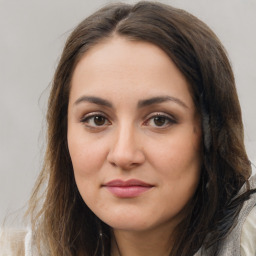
column 119, row 65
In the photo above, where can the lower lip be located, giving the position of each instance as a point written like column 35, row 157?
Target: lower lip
column 127, row 192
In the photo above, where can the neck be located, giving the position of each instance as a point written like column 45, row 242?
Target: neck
column 141, row 243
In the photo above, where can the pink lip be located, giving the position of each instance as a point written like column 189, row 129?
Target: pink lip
column 127, row 189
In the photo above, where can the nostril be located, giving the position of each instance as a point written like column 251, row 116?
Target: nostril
column 126, row 161
column 113, row 164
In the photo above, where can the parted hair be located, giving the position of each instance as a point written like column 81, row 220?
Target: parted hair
column 62, row 224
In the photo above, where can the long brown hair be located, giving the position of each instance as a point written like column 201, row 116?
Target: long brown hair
column 62, row 224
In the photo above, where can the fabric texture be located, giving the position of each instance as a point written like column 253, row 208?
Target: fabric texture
column 28, row 244
column 248, row 236
column 241, row 241
column 12, row 242
column 231, row 245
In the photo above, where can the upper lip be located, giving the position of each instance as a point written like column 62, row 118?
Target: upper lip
column 127, row 183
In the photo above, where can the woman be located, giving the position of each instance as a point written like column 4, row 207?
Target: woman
column 145, row 148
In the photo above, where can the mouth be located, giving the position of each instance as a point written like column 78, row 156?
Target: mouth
column 127, row 189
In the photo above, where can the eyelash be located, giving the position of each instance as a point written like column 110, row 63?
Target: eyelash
column 167, row 120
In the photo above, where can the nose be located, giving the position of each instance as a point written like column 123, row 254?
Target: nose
column 125, row 151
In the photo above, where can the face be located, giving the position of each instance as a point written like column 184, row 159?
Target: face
column 134, row 135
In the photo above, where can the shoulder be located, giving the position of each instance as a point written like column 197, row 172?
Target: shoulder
column 14, row 242
column 248, row 235
column 241, row 241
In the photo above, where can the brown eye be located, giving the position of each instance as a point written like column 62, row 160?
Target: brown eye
column 160, row 120
column 95, row 120
column 99, row 120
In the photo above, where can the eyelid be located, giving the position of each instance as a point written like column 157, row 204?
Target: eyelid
column 158, row 113
column 92, row 114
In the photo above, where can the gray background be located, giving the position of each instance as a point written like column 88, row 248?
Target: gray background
column 32, row 34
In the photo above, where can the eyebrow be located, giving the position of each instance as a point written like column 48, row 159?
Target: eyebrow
column 160, row 99
column 95, row 100
column 141, row 103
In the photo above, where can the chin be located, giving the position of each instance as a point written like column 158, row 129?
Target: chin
column 135, row 226
column 136, row 222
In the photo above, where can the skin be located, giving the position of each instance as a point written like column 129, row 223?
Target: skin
column 127, row 140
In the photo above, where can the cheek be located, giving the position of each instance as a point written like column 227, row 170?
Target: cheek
column 178, row 163
column 177, row 156
column 87, row 161
column 87, row 158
